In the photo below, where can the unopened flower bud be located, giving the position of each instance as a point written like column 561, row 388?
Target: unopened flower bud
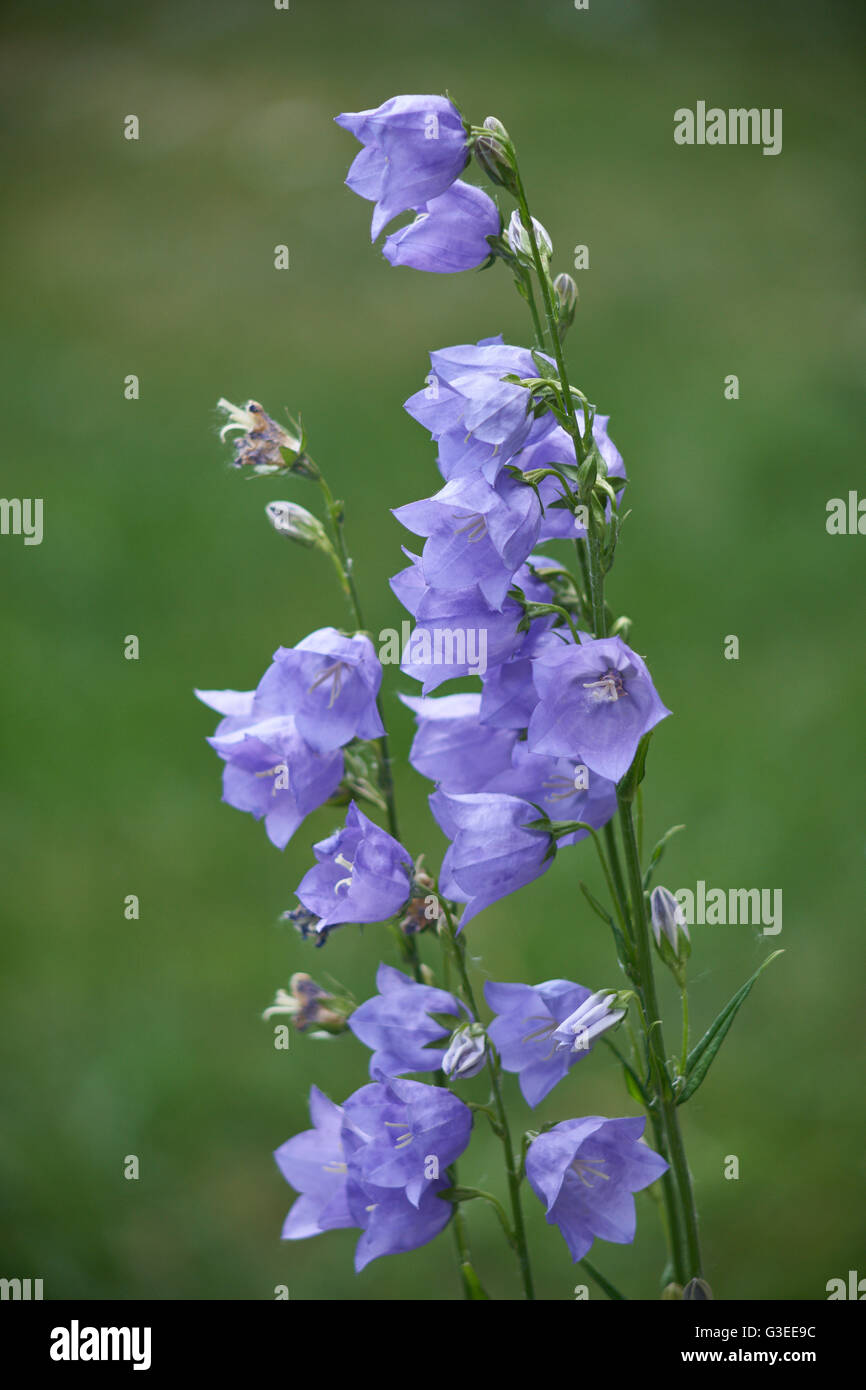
column 297, row 523
column 465, row 1055
column 595, row 1016
column 518, row 238
column 565, row 290
column 697, row 1291
column 668, row 922
column 492, row 154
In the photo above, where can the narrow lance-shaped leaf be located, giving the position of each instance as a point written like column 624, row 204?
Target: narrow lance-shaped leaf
column 658, row 851
column 701, row 1056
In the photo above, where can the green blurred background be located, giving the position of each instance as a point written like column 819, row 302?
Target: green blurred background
column 156, row 258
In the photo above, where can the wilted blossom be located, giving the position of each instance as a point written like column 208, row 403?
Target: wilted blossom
column 414, row 149
column 585, row 1171
column 270, row 770
column 492, row 851
column 595, row 698
column 449, row 234
column 466, row 1054
column 329, row 683
column 326, row 1165
column 522, row 1032
column 309, row 1005
column 467, row 400
column 261, row 441
column 397, row 1024
column 476, row 533
column 596, row 1015
column 668, row 918
column 363, row 875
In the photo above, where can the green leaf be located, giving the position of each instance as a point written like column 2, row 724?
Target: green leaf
column 632, row 1086
column 658, row 851
column 701, row 1056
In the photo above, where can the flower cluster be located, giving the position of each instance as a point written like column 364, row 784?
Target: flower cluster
column 540, row 754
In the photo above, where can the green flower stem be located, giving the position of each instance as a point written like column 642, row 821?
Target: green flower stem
column 604, row 1284
column 335, row 515
column 676, row 1184
column 512, row 1168
column 683, row 1222
column 596, row 577
column 408, row 945
column 684, row 1000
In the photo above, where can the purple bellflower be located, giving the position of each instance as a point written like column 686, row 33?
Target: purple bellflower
column 449, row 234
column 476, row 534
column 397, row 1026
column 270, row 770
column 363, row 875
column 596, row 698
column 585, row 1171
column 452, row 748
column 325, row 1169
column 404, row 1134
column 456, row 633
column 557, row 447
column 314, row 1164
column 492, row 851
column 329, row 683
column 466, row 397
column 522, row 1032
column 414, row 149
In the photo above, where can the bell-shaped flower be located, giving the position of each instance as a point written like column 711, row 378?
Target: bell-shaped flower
column 270, row 770
column 564, row 788
column 329, row 683
column 397, row 1024
column 476, row 534
column 414, row 148
column 314, row 1164
column 493, row 851
column 328, row 1173
column 585, row 1171
column 404, row 1134
column 596, row 699
column 522, row 1032
column 452, row 748
column 466, row 390
column 449, row 234
column 363, row 875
